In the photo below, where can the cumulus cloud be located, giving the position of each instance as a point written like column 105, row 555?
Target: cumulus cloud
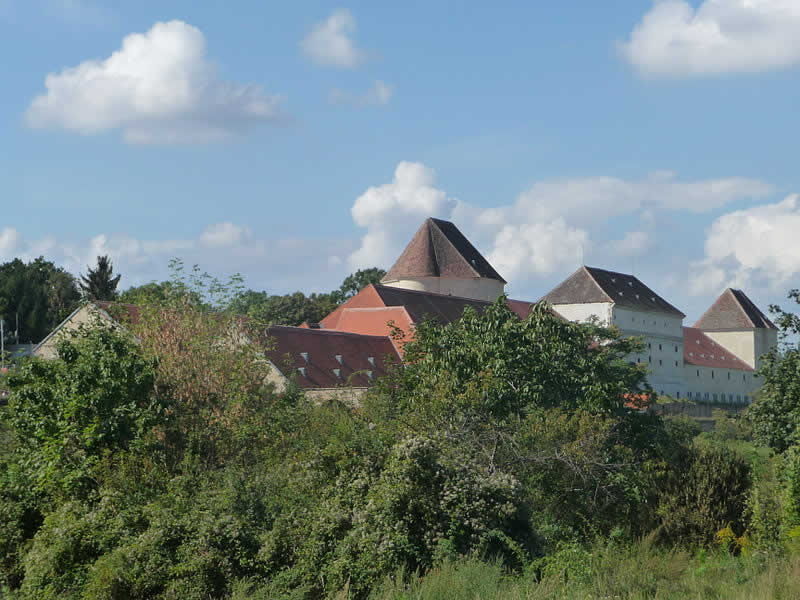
column 378, row 95
column 278, row 264
column 632, row 244
column 329, row 43
column 749, row 248
column 719, row 36
column 392, row 211
column 158, row 88
column 547, row 228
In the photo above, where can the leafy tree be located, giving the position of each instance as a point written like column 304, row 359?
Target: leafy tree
column 99, row 283
column 775, row 414
column 37, row 293
column 357, row 281
column 297, row 308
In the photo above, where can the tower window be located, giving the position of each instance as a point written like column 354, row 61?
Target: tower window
column 659, row 346
column 660, row 363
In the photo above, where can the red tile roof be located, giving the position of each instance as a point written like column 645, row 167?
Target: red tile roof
column 733, row 310
column 313, row 356
column 700, row 350
column 439, row 249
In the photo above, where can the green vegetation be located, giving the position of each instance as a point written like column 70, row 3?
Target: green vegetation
column 37, row 295
column 501, row 461
column 99, row 283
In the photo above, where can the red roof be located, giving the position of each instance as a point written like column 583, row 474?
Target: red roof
column 702, row 351
column 375, row 306
column 318, row 358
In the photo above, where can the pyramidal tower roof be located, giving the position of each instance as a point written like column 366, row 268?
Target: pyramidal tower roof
column 590, row 284
column 733, row 310
column 439, row 249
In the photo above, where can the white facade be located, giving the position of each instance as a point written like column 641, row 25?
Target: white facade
column 748, row 344
column 663, row 352
column 477, row 288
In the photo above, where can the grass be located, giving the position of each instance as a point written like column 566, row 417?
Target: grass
column 636, row 572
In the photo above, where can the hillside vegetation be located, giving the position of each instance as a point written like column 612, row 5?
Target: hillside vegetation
column 501, row 461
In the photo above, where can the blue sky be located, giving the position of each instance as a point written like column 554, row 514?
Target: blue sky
column 295, row 142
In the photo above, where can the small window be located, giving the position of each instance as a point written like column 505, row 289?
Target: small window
column 660, row 363
column 729, row 374
column 744, row 378
column 698, row 372
column 677, row 394
column 676, row 363
column 659, row 347
column 650, row 359
column 712, row 374
column 676, row 348
column 649, row 345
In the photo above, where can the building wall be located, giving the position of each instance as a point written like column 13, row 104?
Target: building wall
column 747, row 344
column 479, row 288
column 86, row 315
column 583, row 313
column 663, row 347
column 726, row 386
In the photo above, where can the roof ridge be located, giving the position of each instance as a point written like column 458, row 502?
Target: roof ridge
column 424, row 293
column 594, row 280
column 463, row 258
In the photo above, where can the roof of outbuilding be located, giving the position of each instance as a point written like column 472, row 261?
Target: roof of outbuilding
column 439, row 249
column 321, row 348
column 733, row 310
column 590, row 285
column 700, row 350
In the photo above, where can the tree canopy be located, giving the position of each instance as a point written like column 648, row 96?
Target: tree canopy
column 38, row 294
column 99, row 283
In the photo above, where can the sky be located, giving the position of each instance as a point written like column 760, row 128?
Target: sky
column 297, row 142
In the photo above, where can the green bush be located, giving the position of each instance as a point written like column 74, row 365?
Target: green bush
column 709, row 494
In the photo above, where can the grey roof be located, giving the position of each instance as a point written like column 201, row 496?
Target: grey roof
column 590, row 285
column 733, row 310
column 439, row 249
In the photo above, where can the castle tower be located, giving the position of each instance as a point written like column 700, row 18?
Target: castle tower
column 735, row 323
column 441, row 260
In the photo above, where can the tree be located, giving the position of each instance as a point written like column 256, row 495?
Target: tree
column 37, row 294
column 357, row 281
column 775, row 414
column 297, row 308
column 99, row 283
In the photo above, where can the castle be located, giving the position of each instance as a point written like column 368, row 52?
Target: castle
column 440, row 273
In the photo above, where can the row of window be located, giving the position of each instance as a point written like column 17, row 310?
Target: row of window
column 650, row 361
column 717, row 397
column 744, row 377
column 660, row 347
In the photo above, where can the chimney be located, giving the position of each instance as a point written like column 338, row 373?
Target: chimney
column 305, row 356
column 339, row 358
column 337, row 373
column 302, row 371
column 371, row 360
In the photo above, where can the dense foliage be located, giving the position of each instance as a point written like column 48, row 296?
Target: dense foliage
column 776, row 411
column 155, row 462
column 37, row 295
column 99, row 283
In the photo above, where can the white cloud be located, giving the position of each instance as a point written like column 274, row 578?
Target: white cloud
column 547, row 228
column 329, row 44
column 378, row 95
column 278, row 264
column 634, row 243
column 754, row 247
column 536, row 248
column 719, row 36
column 9, row 239
column 391, row 212
column 158, row 88
column 225, row 234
